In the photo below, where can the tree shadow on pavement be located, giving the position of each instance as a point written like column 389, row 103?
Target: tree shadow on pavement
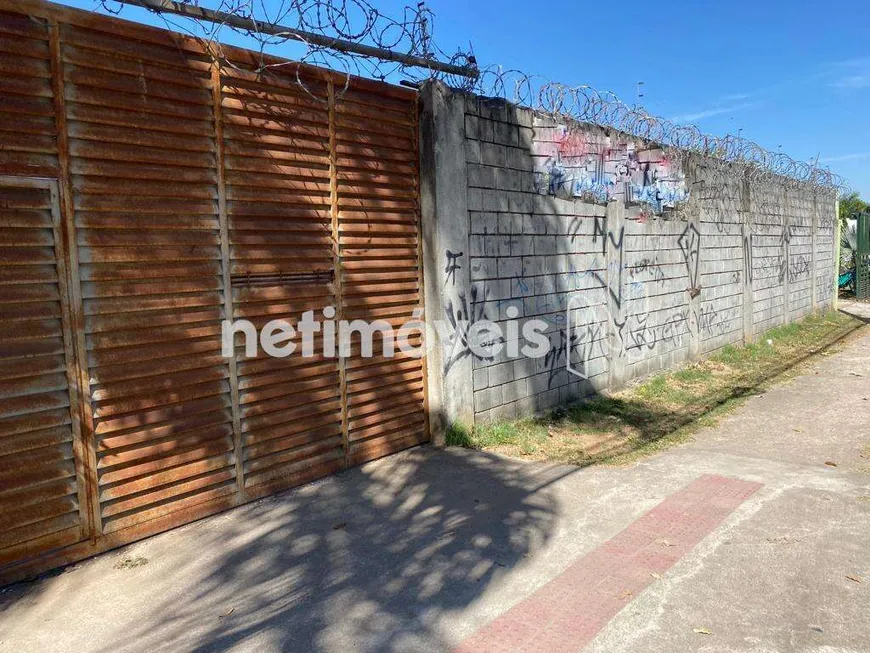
column 373, row 559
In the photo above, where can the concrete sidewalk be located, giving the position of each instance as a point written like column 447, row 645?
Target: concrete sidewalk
column 421, row 551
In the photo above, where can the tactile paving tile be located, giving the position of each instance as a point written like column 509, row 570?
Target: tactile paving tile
column 565, row 614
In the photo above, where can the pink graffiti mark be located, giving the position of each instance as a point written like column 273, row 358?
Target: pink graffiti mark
column 572, row 144
column 645, row 214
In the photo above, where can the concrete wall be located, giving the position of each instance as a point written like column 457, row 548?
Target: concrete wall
column 638, row 258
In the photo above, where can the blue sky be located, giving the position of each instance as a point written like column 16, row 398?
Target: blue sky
column 789, row 73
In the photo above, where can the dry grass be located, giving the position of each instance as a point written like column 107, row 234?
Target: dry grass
column 662, row 411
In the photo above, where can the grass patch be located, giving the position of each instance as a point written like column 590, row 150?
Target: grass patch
column 664, row 410
column 459, row 435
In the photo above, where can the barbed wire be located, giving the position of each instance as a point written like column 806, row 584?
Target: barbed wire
column 605, row 109
column 412, row 33
column 307, row 21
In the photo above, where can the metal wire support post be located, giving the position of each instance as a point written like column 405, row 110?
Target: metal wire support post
column 312, row 38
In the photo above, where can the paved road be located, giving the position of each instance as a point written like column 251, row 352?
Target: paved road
column 742, row 540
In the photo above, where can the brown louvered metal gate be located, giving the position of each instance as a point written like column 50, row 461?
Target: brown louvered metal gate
column 147, row 193
column 42, row 493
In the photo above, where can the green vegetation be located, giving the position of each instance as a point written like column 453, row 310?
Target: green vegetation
column 662, row 411
column 851, row 206
column 459, row 435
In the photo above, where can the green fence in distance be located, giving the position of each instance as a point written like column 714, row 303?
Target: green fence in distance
column 862, row 259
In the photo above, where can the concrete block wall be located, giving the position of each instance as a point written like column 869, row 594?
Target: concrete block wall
column 528, row 252
column 785, row 222
column 626, row 287
column 800, row 247
column 826, row 268
column 657, row 309
column 716, row 197
column 769, row 240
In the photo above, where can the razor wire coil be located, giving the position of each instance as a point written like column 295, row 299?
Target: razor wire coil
column 412, row 32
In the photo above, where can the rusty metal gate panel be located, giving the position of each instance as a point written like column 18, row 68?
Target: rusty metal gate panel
column 188, row 193
column 27, row 122
column 41, row 501
column 378, row 215
column 142, row 172
column 278, row 189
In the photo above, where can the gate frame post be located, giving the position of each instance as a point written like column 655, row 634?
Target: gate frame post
column 83, row 411
column 226, row 269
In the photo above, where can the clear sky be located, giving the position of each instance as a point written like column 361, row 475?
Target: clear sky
column 789, row 73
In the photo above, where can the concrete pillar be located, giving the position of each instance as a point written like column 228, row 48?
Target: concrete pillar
column 746, row 226
column 695, row 292
column 786, row 264
column 613, row 246
column 835, row 299
column 814, row 255
column 447, row 278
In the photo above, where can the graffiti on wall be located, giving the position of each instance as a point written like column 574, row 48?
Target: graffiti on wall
column 799, row 268
column 452, row 266
column 598, row 168
column 462, row 313
column 690, row 246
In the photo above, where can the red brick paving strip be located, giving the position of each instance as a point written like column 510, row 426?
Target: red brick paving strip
column 565, row 614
